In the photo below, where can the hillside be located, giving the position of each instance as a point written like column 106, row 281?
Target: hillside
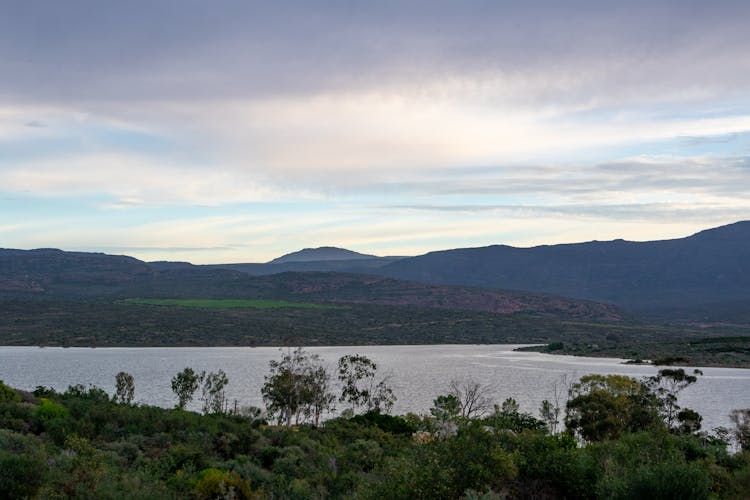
column 75, row 275
column 50, row 271
column 696, row 275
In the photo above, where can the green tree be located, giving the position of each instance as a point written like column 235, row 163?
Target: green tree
column 446, row 408
column 666, row 386
column 184, row 385
column 510, row 417
column 297, row 388
column 607, row 406
column 124, row 388
column 360, row 387
column 213, row 394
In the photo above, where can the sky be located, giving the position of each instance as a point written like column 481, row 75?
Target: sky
column 237, row 131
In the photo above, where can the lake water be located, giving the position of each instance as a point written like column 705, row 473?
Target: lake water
column 418, row 373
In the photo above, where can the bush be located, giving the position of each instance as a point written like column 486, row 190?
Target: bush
column 22, row 465
column 21, row 475
column 385, row 422
column 49, row 410
column 8, row 394
column 215, row 483
column 664, row 481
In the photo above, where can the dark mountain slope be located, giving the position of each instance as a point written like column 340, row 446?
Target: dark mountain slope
column 709, row 267
column 52, row 271
column 320, row 254
column 73, row 275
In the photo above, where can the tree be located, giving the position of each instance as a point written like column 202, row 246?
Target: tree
column 446, row 408
column 319, row 394
column 125, row 388
column 473, row 397
column 357, row 375
column 689, row 421
column 184, row 385
column 741, row 421
column 297, row 388
column 606, row 406
column 550, row 415
column 509, row 416
column 666, row 386
column 213, row 395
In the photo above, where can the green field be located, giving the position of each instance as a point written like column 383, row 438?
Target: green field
column 229, row 303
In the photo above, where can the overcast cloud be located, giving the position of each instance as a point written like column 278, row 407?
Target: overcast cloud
column 385, row 115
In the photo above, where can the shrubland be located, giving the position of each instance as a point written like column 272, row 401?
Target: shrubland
column 615, row 437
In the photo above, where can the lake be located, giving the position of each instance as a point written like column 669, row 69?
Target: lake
column 418, row 373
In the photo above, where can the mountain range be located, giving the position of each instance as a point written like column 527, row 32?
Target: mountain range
column 705, row 276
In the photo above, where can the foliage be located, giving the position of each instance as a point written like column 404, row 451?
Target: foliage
column 21, row 465
column 666, row 385
column 124, row 388
column 297, row 388
column 357, row 375
column 508, row 417
column 741, row 421
column 214, row 483
column 388, row 423
column 608, row 406
column 82, row 444
column 93, row 393
column 49, row 410
column 446, row 408
column 8, row 394
column 213, row 394
column 184, row 385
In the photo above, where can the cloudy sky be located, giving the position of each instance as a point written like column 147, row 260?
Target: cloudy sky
column 236, row 131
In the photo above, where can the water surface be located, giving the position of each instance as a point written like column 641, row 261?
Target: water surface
column 418, row 373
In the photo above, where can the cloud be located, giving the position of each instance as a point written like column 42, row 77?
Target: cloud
column 456, row 115
column 134, row 180
column 84, row 50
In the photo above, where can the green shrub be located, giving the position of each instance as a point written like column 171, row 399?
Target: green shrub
column 215, row 483
column 8, row 394
column 22, row 465
column 387, row 423
column 20, row 475
column 664, row 481
column 49, row 410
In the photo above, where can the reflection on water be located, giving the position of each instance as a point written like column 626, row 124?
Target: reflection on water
column 418, row 373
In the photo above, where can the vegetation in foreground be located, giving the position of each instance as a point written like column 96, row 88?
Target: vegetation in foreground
column 616, row 437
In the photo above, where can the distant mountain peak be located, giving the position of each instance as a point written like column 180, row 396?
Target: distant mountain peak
column 321, row 254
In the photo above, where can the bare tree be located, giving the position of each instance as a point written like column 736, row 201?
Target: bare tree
column 551, row 409
column 550, row 415
column 741, row 431
column 473, row 397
